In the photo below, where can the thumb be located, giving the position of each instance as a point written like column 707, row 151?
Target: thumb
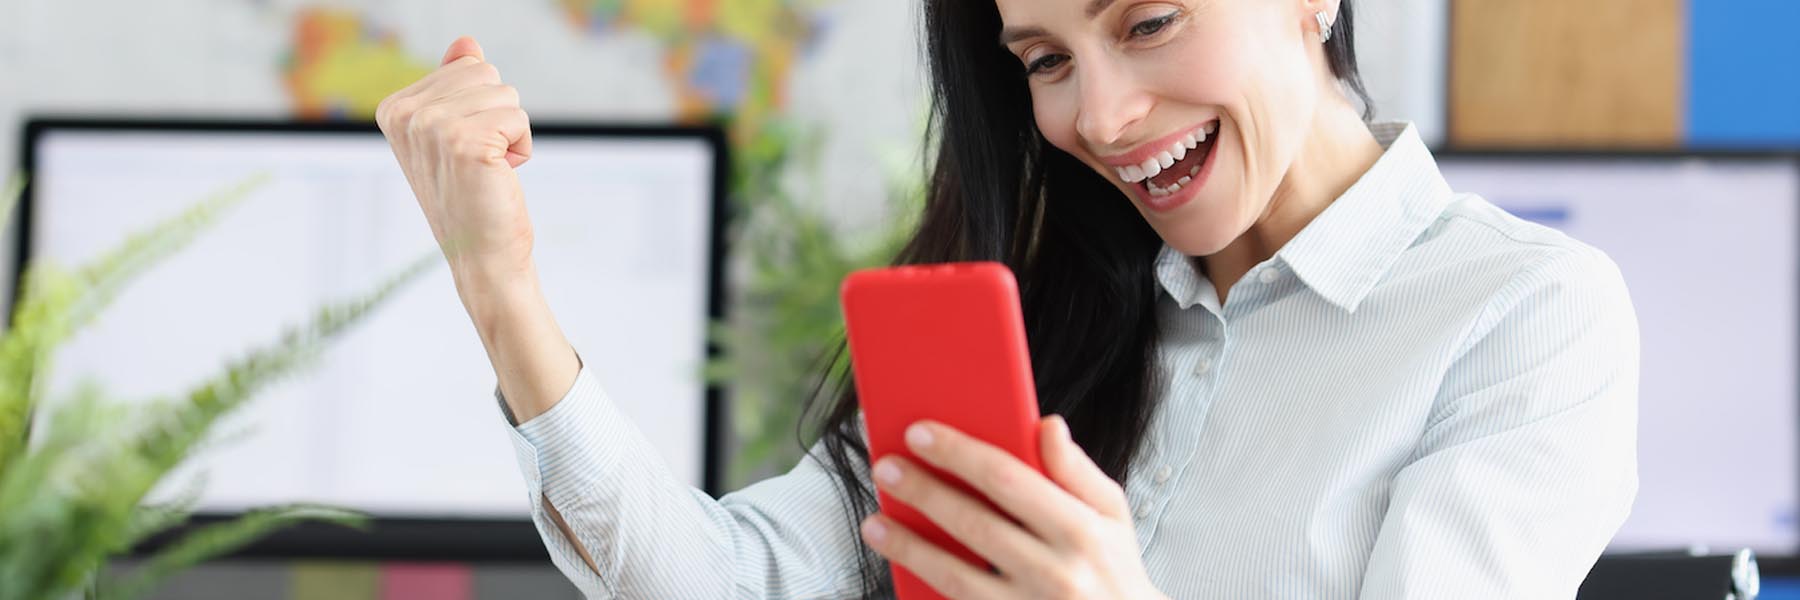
column 1070, row 467
column 463, row 46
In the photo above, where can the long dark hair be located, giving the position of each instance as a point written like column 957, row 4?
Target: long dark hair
column 1083, row 256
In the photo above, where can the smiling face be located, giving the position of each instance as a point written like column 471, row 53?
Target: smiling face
column 1195, row 109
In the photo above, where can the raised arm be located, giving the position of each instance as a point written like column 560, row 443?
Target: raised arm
column 617, row 522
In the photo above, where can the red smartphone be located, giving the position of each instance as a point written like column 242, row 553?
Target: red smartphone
column 942, row 342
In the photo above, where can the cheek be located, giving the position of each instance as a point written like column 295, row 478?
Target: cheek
column 1055, row 115
column 1207, row 61
column 1203, row 68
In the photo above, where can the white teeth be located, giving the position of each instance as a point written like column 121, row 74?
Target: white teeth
column 1155, row 165
column 1184, row 181
column 1174, row 188
column 1150, row 167
column 1158, row 192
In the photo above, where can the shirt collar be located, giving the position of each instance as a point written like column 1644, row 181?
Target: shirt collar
column 1349, row 246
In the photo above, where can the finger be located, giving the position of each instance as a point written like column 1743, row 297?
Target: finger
column 452, row 79
column 463, row 46
column 986, row 532
column 944, row 572
column 463, row 56
column 1070, row 467
column 481, row 99
column 512, row 127
column 1018, row 489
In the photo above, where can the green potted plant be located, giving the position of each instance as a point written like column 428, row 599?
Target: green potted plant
column 75, row 472
column 778, row 346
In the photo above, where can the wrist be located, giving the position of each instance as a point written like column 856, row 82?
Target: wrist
column 477, row 275
column 493, row 297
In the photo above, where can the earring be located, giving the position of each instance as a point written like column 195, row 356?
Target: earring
column 1324, row 27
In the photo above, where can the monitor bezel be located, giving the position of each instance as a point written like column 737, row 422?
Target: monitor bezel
column 407, row 538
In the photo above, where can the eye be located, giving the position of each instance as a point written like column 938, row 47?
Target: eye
column 1150, row 27
column 1046, row 63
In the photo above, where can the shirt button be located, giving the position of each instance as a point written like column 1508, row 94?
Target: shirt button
column 1143, row 510
column 1269, row 275
column 1202, row 367
column 1163, row 473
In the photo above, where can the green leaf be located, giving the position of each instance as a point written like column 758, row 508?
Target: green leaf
column 54, row 303
column 151, row 519
column 73, row 479
column 168, row 436
column 785, row 323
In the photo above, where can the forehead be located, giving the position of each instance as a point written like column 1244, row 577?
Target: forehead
column 1024, row 19
column 1024, row 10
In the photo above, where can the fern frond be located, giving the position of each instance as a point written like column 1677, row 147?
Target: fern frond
column 54, row 303
column 168, row 435
column 103, row 277
column 51, row 539
column 73, row 500
column 151, row 519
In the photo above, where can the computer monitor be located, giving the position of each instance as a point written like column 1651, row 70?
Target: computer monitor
column 1707, row 244
column 398, row 418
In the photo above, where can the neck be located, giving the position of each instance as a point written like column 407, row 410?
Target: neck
column 1338, row 151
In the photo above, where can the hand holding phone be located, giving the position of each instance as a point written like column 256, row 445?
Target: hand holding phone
column 944, row 343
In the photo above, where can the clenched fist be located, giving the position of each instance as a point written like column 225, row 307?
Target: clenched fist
column 459, row 134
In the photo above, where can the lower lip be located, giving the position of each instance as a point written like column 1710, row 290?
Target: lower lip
column 1186, row 194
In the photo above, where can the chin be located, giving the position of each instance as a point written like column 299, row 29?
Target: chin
column 1198, row 229
column 1194, row 238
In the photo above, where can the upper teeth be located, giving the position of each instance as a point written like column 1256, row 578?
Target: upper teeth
column 1164, row 159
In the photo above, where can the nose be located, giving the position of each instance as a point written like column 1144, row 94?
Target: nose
column 1111, row 103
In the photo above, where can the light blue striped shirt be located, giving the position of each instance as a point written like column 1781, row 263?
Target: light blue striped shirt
column 1419, row 396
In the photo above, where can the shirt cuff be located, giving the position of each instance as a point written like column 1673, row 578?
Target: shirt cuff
column 556, row 453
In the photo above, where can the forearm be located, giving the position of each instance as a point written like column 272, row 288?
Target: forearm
column 534, row 362
column 619, row 524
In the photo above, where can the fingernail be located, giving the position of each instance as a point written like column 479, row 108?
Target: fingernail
column 886, row 472
column 918, row 436
column 1062, row 428
column 874, row 530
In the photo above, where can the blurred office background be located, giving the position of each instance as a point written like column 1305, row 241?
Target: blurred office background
column 1663, row 131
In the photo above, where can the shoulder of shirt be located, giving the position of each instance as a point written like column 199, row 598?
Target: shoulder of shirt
column 1484, row 255
column 1471, row 228
column 1499, row 260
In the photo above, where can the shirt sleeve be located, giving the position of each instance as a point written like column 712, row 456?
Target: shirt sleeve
column 654, row 536
column 1528, row 464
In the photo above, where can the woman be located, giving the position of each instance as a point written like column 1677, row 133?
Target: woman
column 1291, row 361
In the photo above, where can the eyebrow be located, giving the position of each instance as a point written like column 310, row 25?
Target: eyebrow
column 1008, row 36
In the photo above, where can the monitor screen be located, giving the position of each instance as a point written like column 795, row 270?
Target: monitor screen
column 398, row 417
column 1707, row 246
